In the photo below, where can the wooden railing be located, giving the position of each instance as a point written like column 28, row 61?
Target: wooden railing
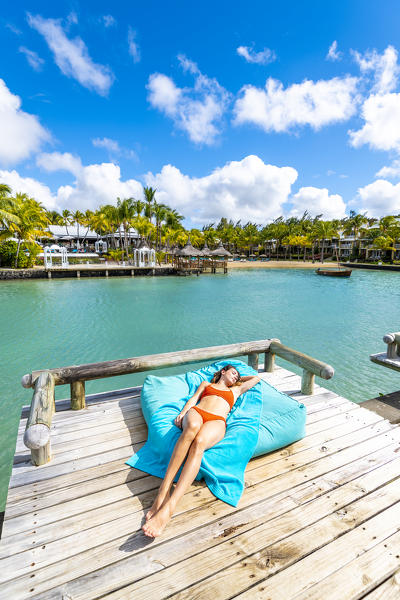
column 37, row 434
column 390, row 358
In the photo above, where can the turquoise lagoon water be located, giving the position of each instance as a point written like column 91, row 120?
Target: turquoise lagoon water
column 62, row 322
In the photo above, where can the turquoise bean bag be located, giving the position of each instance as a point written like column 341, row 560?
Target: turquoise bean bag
column 262, row 420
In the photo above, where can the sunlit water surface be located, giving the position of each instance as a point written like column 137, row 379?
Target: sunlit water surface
column 46, row 324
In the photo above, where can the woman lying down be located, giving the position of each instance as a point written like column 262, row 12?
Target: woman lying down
column 203, row 423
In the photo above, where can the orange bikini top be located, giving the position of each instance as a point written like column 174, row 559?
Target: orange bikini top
column 226, row 395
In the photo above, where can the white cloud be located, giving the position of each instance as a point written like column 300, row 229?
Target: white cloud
column 113, row 148
column 388, row 172
column 263, row 57
column 21, row 133
column 198, row 111
column 13, row 28
column 57, row 161
column 133, row 46
column 96, row 185
column 72, row 56
column 317, row 201
column 379, row 198
column 27, row 185
column 333, row 52
column 108, row 21
column 93, row 186
column 248, row 189
column 381, row 131
column 107, row 143
column 308, row 103
column 384, row 68
column 33, row 58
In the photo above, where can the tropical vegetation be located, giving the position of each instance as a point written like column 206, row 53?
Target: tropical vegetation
column 25, row 221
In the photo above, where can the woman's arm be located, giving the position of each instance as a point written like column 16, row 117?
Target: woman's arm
column 247, row 383
column 190, row 403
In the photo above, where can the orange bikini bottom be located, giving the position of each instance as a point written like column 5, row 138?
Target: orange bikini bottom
column 207, row 416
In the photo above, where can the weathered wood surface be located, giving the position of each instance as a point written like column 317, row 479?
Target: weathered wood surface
column 384, row 361
column 37, row 433
column 138, row 364
column 318, row 519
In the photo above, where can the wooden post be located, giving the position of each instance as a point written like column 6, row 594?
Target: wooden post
column 78, row 395
column 78, row 274
column 106, row 272
column 37, row 433
column 48, row 274
column 252, row 360
column 269, row 362
column 132, row 273
column 392, row 350
column 307, row 383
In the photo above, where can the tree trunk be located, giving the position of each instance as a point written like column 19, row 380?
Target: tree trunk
column 16, row 256
column 322, row 251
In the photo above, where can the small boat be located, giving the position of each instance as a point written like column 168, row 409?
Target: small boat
column 334, row 272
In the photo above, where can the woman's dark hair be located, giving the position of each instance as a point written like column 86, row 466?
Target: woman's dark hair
column 217, row 375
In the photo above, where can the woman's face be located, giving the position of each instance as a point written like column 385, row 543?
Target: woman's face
column 231, row 376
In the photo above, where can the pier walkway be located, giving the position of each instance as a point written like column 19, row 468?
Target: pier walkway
column 319, row 519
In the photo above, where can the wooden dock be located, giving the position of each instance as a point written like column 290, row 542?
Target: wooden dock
column 319, row 519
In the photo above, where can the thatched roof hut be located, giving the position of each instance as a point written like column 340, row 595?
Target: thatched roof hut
column 206, row 250
column 220, row 251
column 188, row 250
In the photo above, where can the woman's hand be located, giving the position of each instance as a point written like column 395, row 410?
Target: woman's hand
column 178, row 420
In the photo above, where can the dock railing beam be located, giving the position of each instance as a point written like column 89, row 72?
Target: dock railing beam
column 42, row 408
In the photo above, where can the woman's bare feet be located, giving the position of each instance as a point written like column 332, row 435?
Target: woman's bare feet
column 157, row 504
column 156, row 524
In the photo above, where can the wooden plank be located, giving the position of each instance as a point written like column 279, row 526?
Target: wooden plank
column 85, row 446
column 341, row 426
column 249, row 538
column 60, row 437
column 217, row 529
column 59, row 550
column 389, row 590
column 298, row 577
column 100, row 499
column 361, row 574
column 357, row 524
column 296, row 460
column 132, row 567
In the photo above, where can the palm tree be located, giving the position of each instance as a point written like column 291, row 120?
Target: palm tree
column 32, row 222
column 7, row 206
column 326, row 230
column 78, row 218
column 126, row 213
column 54, row 217
column 149, row 194
column 67, row 218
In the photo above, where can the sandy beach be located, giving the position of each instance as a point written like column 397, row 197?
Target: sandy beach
column 277, row 264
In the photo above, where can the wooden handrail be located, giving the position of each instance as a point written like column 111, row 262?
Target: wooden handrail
column 37, row 435
column 126, row 366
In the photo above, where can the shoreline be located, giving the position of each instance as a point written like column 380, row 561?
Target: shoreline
column 279, row 264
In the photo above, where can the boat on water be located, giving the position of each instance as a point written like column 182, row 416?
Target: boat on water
column 338, row 271
column 334, row 272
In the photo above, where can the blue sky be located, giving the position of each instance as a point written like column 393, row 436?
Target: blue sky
column 244, row 110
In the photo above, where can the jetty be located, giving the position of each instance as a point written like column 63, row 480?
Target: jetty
column 318, row 520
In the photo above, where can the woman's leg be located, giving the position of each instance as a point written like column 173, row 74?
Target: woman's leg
column 210, row 434
column 191, row 424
